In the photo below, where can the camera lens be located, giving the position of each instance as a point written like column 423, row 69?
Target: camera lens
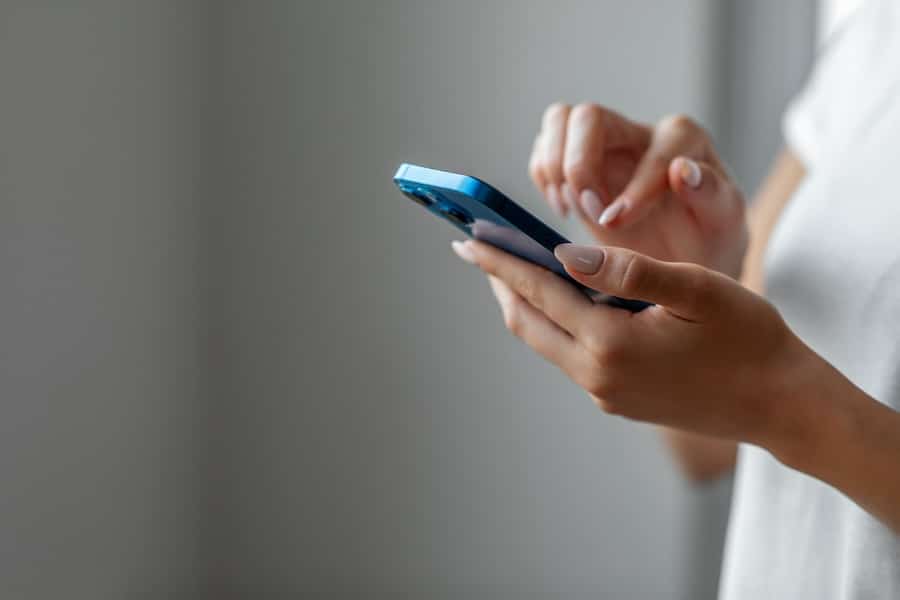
column 419, row 196
column 457, row 215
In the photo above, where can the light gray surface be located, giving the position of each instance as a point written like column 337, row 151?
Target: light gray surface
column 99, row 309
column 230, row 345
column 767, row 50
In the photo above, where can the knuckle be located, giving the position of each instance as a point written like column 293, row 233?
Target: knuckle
column 553, row 169
column 512, row 317
column 587, row 112
column 595, row 343
column 488, row 265
column 601, row 393
column 577, row 170
column 677, row 122
column 692, row 135
column 529, row 288
column 634, row 274
column 598, row 374
column 607, row 406
column 555, row 112
column 701, row 286
column 607, row 356
column 596, row 385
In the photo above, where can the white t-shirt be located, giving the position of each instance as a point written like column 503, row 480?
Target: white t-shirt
column 833, row 270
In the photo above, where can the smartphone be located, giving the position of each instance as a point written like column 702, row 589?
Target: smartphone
column 484, row 213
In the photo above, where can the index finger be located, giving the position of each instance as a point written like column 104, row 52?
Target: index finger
column 562, row 302
column 592, row 132
column 675, row 136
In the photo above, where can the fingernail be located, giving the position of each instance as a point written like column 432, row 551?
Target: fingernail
column 584, row 259
column 570, row 196
column 463, row 251
column 591, row 205
column 612, row 211
column 553, row 197
column 690, row 173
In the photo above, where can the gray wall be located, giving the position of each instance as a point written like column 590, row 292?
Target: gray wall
column 236, row 363
column 767, row 50
column 101, row 308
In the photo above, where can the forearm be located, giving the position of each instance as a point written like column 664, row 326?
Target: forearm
column 835, row 432
column 701, row 457
column 773, row 195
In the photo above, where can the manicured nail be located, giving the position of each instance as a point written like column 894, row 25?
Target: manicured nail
column 612, row 211
column 591, row 205
column 584, row 259
column 690, row 173
column 463, row 251
column 555, row 200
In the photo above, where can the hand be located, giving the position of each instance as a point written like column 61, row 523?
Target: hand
column 709, row 357
column 661, row 190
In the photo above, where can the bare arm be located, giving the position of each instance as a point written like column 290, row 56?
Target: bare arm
column 704, row 458
column 772, row 197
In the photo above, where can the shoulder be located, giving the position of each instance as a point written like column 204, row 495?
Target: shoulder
column 857, row 68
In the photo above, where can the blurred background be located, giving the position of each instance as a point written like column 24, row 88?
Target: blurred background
column 236, row 363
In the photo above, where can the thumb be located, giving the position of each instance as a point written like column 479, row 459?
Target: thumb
column 705, row 191
column 684, row 289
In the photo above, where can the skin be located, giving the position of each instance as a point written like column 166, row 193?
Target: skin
column 704, row 458
column 713, row 363
column 590, row 149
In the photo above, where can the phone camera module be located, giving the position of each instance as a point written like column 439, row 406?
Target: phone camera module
column 420, row 196
column 457, row 215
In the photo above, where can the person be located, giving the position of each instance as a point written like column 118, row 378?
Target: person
column 777, row 328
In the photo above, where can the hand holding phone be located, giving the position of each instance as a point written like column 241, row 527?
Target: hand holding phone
column 484, row 213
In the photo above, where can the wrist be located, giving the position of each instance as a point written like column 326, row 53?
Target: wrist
column 818, row 422
column 815, row 414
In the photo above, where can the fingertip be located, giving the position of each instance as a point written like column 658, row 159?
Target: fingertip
column 480, row 249
column 676, row 183
column 498, row 288
column 685, row 172
column 464, row 251
column 580, row 259
column 536, row 174
column 612, row 214
column 591, row 205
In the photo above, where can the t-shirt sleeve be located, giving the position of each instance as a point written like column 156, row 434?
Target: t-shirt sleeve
column 810, row 116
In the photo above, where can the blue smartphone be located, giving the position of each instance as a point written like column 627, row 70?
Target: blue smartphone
column 484, row 213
